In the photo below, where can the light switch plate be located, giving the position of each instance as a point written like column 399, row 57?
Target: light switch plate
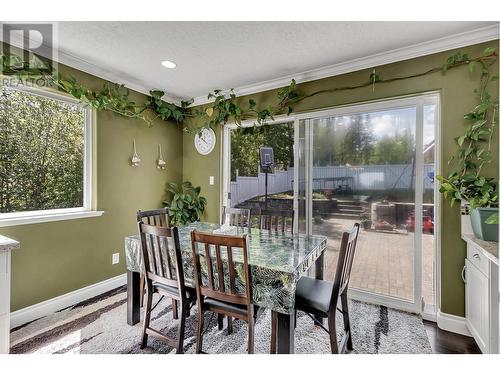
column 116, row 258
column 212, row 180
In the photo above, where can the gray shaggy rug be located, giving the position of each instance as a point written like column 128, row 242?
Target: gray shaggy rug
column 99, row 326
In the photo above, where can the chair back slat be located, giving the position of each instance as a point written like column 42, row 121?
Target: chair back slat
column 157, row 256
column 231, row 272
column 207, row 242
column 239, row 217
column 159, row 217
column 210, row 271
column 344, row 263
column 276, row 220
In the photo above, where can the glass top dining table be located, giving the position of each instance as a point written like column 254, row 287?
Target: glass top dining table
column 277, row 261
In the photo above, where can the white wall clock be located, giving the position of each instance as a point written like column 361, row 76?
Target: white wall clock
column 205, row 141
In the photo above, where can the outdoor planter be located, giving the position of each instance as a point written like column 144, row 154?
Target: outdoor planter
column 483, row 231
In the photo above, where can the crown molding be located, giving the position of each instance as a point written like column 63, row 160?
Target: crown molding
column 75, row 62
column 467, row 38
column 476, row 36
column 72, row 61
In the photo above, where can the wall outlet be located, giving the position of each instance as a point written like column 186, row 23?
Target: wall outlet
column 116, row 258
column 211, row 180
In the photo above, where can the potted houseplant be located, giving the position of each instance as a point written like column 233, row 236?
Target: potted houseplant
column 366, row 221
column 186, row 205
column 482, row 196
column 474, row 150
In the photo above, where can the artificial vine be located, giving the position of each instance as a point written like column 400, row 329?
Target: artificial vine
column 112, row 97
column 226, row 107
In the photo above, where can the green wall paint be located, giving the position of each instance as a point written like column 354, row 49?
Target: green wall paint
column 60, row 257
column 456, row 88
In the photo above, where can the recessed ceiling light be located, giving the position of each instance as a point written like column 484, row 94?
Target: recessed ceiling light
column 168, row 64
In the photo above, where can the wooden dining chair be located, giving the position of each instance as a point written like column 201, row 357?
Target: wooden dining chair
column 232, row 298
column 165, row 276
column 239, row 217
column 158, row 217
column 276, row 220
column 320, row 297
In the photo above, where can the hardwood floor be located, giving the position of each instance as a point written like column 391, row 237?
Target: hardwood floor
column 444, row 342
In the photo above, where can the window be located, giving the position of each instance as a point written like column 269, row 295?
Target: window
column 45, row 157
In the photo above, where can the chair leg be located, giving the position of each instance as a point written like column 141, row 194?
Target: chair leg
column 199, row 331
column 175, row 313
column 274, row 323
column 295, row 312
column 220, row 321
column 141, row 288
column 251, row 335
column 229, row 325
column 333, row 334
column 182, row 327
column 347, row 323
column 147, row 317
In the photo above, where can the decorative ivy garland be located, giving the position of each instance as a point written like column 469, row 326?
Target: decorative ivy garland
column 224, row 106
column 474, row 146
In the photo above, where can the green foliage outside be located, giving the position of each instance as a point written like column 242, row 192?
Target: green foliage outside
column 352, row 144
column 245, row 143
column 41, row 153
column 186, row 205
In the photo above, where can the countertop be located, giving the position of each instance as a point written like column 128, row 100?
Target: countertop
column 8, row 244
column 489, row 248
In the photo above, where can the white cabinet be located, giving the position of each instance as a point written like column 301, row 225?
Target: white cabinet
column 477, row 305
column 6, row 246
column 481, row 298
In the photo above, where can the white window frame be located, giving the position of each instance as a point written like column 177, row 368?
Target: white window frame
column 89, row 172
column 420, row 100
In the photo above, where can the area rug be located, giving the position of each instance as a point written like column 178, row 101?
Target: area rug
column 99, row 326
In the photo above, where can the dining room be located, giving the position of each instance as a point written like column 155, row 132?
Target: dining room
column 249, row 187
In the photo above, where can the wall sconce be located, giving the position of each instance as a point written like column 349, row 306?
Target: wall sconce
column 160, row 163
column 135, row 160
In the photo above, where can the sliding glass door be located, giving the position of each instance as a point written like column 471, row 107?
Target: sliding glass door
column 373, row 164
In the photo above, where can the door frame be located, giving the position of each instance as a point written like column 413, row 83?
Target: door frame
column 418, row 100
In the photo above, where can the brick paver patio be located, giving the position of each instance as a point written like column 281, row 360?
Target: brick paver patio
column 383, row 262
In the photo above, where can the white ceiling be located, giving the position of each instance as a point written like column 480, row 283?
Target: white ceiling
column 221, row 55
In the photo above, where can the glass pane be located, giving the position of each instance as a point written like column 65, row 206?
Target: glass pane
column 41, row 152
column 248, row 181
column 364, row 171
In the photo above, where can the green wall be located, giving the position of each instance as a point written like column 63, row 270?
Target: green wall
column 60, row 257
column 456, row 88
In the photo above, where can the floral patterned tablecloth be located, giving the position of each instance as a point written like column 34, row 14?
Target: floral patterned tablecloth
column 277, row 261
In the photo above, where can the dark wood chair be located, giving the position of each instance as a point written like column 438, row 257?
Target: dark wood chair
column 215, row 294
column 320, row 298
column 276, row 220
column 164, row 276
column 159, row 217
column 239, row 217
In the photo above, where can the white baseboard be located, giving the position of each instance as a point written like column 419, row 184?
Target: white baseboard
column 452, row 323
column 39, row 310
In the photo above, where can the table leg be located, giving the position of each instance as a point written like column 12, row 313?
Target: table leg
column 319, row 269
column 286, row 333
column 133, row 297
